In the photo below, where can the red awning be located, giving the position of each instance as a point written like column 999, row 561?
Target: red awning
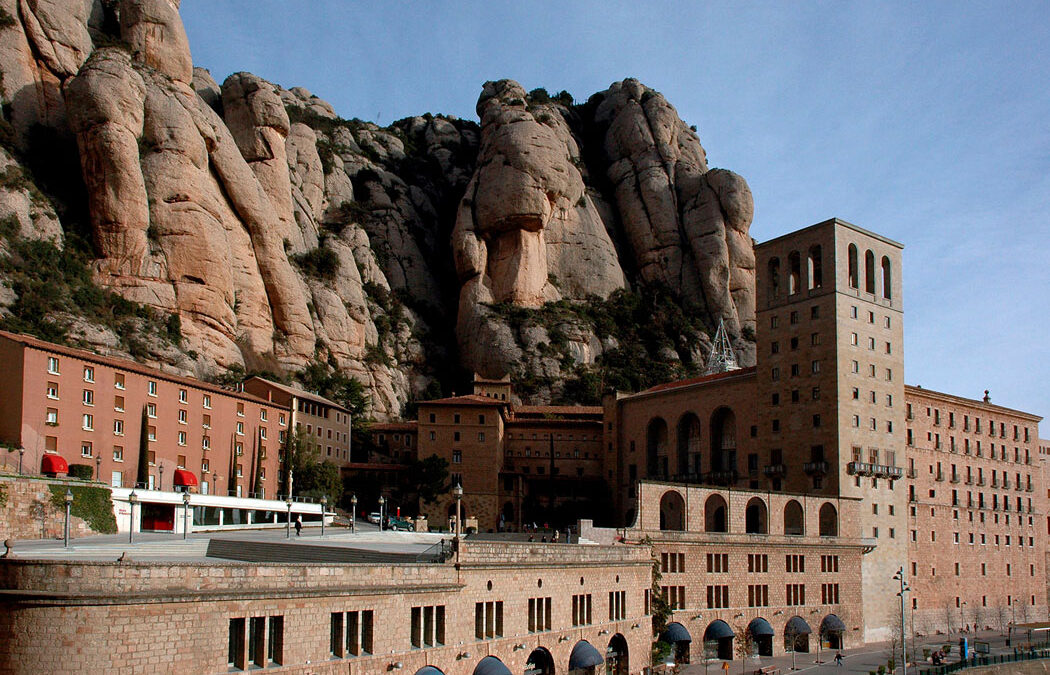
column 185, row 478
column 53, row 464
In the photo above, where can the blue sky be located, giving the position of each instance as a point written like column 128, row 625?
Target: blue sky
column 926, row 122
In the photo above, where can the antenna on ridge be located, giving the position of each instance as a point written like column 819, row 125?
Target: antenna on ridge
column 721, row 358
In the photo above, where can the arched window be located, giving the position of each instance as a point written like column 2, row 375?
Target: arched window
column 656, row 448
column 716, row 514
column 774, row 278
column 816, row 267
column 755, row 521
column 869, row 272
column 689, row 445
column 672, row 511
column 829, row 520
column 723, row 441
column 795, row 273
column 794, row 519
column 853, row 273
column 887, row 278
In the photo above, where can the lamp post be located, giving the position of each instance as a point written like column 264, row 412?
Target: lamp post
column 899, row 576
column 132, row 499
column 185, row 514
column 962, row 617
column 324, row 507
column 288, row 526
column 98, row 467
column 458, row 492
column 21, row 453
column 353, row 514
column 160, row 486
column 69, row 503
column 381, row 503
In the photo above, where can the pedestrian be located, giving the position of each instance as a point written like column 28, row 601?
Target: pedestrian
column 555, row 537
column 298, row 525
column 838, row 659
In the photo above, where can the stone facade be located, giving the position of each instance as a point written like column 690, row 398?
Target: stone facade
column 185, row 618
column 26, row 511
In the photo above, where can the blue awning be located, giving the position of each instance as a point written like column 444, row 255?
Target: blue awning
column 797, row 626
column 718, row 630
column 584, row 655
column 676, row 632
column 490, row 665
column 832, row 624
column 429, row 670
column 759, row 627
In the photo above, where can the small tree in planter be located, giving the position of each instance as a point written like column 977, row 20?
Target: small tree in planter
column 745, row 645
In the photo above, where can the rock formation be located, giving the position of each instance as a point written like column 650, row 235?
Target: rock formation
column 274, row 234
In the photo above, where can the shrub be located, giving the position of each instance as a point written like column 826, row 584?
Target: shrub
column 81, row 471
column 321, row 263
column 89, row 503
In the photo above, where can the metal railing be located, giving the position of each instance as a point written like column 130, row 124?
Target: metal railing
column 990, row 660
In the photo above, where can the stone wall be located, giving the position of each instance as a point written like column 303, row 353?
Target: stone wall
column 26, row 511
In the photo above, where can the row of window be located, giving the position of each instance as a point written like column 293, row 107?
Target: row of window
column 934, row 439
column 256, row 642
column 958, row 569
column 983, row 539
column 758, row 595
column 1018, row 431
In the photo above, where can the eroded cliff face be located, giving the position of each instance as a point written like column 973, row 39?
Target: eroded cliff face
column 281, row 235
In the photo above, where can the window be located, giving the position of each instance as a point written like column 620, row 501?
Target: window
column 240, row 428
column 427, row 626
column 675, row 596
column 118, row 453
column 481, row 435
column 795, row 564
column 205, row 466
column 757, row 563
column 581, row 609
column 280, row 419
column 151, row 433
column 830, row 563
column 118, row 380
column 89, row 397
column 617, row 605
column 151, row 409
column 357, row 637
column 206, row 422
column 207, row 400
column 717, row 596
column 829, row 594
column 182, row 417
column 717, row 562
column 118, row 427
column 85, row 449
column 118, row 403
column 795, row 594
column 457, row 456
column 455, row 418
column 262, row 415
column 52, row 365
column 481, row 419
column 182, row 395
column 757, row 595
column 89, row 422
column 52, row 390
column 814, row 366
column 151, row 388
column 539, row 615
column 488, row 620
column 182, row 438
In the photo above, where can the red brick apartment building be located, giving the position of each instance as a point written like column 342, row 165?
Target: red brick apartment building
column 70, row 406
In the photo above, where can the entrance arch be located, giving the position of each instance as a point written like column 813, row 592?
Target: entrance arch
column 656, row 448
column 794, row 519
column 490, row 665
column 716, row 514
column 829, row 520
column 429, row 670
column 756, row 519
column 796, row 635
column 584, row 659
column 676, row 635
column 723, row 445
column 718, row 640
column 688, row 445
column 832, row 630
column 672, row 511
column 762, row 633
column 616, row 656
column 540, row 662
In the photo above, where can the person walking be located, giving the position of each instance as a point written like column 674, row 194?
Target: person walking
column 298, row 525
column 838, row 659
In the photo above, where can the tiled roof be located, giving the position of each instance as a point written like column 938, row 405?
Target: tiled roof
column 703, row 379
column 300, row 393
column 409, row 425
column 560, row 410
column 469, row 399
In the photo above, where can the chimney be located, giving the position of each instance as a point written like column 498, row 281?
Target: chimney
column 987, row 398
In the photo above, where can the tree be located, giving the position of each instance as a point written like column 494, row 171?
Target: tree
column 661, row 612
column 745, row 645
column 427, row 478
column 1001, row 616
column 979, row 616
column 142, row 470
column 320, row 479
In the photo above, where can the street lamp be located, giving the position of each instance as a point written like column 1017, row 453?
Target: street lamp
column 98, row 467
column 21, row 453
column 288, row 527
column 353, row 514
column 899, row 576
column 132, row 499
column 161, row 485
column 381, row 503
column 458, row 492
column 324, row 507
column 69, row 503
column 962, row 617
column 185, row 513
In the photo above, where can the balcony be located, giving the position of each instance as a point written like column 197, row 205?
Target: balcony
column 775, row 470
column 912, row 473
column 811, row 468
column 874, row 470
column 954, row 479
column 939, row 477
column 980, row 482
column 1029, row 488
column 1006, row 483
column 724, row 477
column 969, row 480
column 1020, row 487
column 995, row 482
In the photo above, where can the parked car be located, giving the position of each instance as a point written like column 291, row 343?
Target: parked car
column 399, row 524
column 374, row 517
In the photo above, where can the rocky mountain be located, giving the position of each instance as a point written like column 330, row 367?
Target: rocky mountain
column 215, row 229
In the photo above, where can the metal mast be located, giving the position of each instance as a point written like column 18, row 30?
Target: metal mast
column 721, row 358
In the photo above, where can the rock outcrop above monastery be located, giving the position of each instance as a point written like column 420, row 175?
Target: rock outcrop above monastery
column 266, row 233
